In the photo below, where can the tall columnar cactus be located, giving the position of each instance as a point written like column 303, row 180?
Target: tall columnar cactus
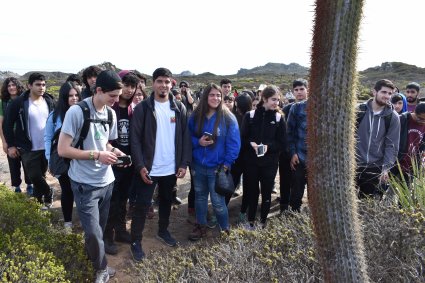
column 331, row 143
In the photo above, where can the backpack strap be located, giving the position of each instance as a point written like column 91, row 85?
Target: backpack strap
column 360, row 113
column 86, row 124
column 387, row 122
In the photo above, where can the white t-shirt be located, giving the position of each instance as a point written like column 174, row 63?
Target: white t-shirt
column 164, row 160
column 90, row 172
column 37, row 117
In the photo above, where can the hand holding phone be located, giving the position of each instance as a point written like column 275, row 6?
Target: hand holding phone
column 209, row 136
column 123, row 160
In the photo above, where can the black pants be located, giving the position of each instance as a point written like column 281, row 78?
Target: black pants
column 191, row 196
column 118, row 207
column 265, row 175
column 299, row 182
column 143, row 200
column 285, row 175
column 15, row 171
column 36, row 165
column 67, row 197
column 368, row 183
column 236, row 171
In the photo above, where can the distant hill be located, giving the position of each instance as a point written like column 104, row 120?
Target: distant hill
column 399, row 73
column 7, row 74
column 275, row 68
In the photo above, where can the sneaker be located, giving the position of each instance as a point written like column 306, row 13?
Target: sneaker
column 110, row 247
column 123, row 237
column 249, row 226
column 241, row 218
column 68, row 227
column 137, row 251
column 30, row 190
column 111, row 271
column 198, row 233
column 212, row 223
column 18, row 189
column 166, row 237
column 102, row 276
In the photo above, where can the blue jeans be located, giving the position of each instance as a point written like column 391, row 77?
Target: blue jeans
column 204, row 179
column 93, row 208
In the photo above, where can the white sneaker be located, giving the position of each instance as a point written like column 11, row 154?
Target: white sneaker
column 68, row 227
column 102, row 276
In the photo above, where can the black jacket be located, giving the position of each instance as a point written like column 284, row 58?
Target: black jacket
column 263, row 128
column 17, row 116
column 404, row 125
column 143, row 134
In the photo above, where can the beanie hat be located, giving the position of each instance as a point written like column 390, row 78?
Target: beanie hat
column 122, row 73
column 108, row 81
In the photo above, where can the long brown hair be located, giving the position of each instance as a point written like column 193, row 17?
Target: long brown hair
column 200, row 113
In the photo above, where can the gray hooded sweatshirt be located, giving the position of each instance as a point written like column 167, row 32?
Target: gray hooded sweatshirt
column 377, row 147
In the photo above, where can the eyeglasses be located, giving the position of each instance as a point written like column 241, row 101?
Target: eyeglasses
column 39, row 84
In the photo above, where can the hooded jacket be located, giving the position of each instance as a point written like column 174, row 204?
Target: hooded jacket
column 17, row 115
column 263, row 128
column 377, row 147
column 143, row 134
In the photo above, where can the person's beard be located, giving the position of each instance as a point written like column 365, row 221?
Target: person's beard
column 411, row 99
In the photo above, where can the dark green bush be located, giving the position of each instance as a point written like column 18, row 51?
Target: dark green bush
column 284, row 252
column 32, row 249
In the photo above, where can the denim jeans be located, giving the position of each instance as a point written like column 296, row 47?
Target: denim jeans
column 204, row 178
column 93, row 208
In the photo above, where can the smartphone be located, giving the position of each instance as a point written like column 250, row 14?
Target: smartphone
column 208, row 135
column 149, row 177
column 123, row 160
column 260, row 150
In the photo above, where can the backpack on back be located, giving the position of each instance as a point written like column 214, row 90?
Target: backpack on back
column 362, row 109
column 59, row 165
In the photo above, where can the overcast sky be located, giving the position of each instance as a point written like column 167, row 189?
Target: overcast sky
column 217, row 36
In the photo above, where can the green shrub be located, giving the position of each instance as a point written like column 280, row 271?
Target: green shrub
column 284, row 252
column 32, row 249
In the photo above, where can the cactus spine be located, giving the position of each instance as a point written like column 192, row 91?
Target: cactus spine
column 331, row 143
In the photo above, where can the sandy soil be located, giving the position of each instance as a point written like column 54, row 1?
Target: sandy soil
column 179, row 224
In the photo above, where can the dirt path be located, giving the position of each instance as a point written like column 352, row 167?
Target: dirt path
column 179, row 224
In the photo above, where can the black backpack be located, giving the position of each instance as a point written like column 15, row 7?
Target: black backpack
column 362, row 112
column 59, row 165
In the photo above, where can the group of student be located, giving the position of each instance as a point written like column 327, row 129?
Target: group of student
column 169, row 131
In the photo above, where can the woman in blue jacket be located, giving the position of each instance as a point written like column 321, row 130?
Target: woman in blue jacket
column 69, row 94
column 215, row 142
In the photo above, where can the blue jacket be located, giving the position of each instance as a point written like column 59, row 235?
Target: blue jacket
column 226, row 147
column 49, row 131
column 297, row 130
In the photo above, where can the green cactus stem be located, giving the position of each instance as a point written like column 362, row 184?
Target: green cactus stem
column 331, row 143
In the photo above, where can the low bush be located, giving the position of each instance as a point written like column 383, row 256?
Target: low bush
column 33, row 249
column 284, row 252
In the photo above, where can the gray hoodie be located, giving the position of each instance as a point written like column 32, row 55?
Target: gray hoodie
column 376, row 146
